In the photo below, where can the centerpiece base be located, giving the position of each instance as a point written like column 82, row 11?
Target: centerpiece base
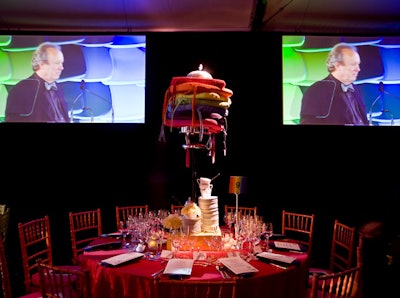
column 199, row 241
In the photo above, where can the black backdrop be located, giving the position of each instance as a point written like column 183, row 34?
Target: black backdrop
column 56, row 168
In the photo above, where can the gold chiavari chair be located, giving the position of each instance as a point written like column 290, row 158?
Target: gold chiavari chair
column 85, row 226
column 122, row 213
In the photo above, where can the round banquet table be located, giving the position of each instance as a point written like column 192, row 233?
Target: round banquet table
column 134, row 278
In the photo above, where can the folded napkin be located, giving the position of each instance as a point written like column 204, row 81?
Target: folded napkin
column 179, row 267
column 122, row 258
column 276, row 257
column 114, row 235
column 104, row 246
column 237, row 265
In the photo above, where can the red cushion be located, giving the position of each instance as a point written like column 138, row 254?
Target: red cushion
column 210, row 125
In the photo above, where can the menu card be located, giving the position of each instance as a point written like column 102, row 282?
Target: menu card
column 276, row 257
column 237, row 265
column 122, row 258
column 179, row 266
column 287, row 245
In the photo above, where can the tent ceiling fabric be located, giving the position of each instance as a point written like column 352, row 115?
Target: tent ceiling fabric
column 126, row 15
column 289, row 16
column 339, row 16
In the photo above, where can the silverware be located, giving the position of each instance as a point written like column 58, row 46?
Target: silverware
column 278, row 266
column 157, row 273
column 222, row 272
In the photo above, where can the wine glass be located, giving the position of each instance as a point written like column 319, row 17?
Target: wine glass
column 267, row 232
column 124, row 231
column 176, row 240
column 229, row 219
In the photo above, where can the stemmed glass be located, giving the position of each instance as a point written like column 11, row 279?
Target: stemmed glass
column 124, row 231
column 190, row 240
column 176, row 240
column 267, row 232
column 229, row 219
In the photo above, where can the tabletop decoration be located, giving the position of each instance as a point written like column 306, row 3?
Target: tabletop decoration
column 172, row 221
column 191, row 214
column 237, row 186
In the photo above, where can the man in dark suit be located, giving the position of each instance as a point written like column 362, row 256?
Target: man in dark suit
column 39, row 98
column 335, row 100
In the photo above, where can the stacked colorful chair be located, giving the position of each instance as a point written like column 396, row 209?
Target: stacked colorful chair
column 198, row 105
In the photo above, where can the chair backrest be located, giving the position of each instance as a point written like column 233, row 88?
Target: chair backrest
column 176, row 208
column 343, row 247
column 300, row 227
column 4, row 221
column 342, row 284
column 219, row 288
column 85, row 226
column 122, row 213
column 61, row 282
column 243, row 211
column 4, row 273
column 35, row 241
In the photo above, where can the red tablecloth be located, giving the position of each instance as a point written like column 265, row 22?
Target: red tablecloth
column 134, row 279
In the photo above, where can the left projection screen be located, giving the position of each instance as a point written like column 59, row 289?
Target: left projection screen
column 103, row 77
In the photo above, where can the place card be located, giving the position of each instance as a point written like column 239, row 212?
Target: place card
column 179, row 267
column 166, row 254
column 237, row 265
column 122, row 258
column 276, row 257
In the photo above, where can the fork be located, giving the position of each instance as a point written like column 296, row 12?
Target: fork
column 222, row 272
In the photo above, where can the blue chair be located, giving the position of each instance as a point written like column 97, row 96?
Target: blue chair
column 391, row 64
column 74, row 63
column 292, row 97
column 97, row 40
column 3, row 101
column 31, row 42
column 5, row 40
column 129, row 66
column 315, row 67
column 5, row 66
column 293, row 68
column 21, row 67
column 372, row 69
column 128, row 41
column 99, row 65
column 128, row 103
column 90, row 104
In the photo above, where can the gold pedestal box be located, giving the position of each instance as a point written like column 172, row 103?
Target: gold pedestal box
column 199, row 241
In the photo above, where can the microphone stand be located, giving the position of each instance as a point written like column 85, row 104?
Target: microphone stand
column 91, row 113
column 102, row 98
column 72, row 107
column 372, row 105
column 382, row 92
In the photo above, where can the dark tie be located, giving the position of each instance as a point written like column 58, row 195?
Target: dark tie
column 50, row 86
column 346, row 88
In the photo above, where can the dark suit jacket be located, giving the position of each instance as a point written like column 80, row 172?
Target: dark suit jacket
column 29, row 101
column 324, row 102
